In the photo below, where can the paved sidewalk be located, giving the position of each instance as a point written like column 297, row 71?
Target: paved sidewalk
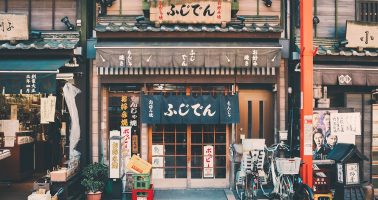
column 194, row 194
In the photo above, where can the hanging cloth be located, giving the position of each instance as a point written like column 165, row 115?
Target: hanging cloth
column 70, row 92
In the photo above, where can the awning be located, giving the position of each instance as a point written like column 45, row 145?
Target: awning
column 178, row 57
column 29, row 76
column 346, row 75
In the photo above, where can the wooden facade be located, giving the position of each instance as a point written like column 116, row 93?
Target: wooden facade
column 332, row 26
column 118, row 25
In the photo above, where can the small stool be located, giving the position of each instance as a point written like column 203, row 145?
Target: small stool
column 323, row 196
column 143, row 193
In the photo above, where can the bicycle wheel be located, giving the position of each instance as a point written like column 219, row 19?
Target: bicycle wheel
column 304, row 192
column 240, row 183
column 251, row 187
column 286, row 188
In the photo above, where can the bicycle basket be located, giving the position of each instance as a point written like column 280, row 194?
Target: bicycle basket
column 288, row 166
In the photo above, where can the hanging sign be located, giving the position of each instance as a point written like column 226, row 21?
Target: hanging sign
column 181, row 109
column 14, row 27
column 189, row 11
column 208, row 161
column 115, row 166
column 134, row 144
column 126, row 144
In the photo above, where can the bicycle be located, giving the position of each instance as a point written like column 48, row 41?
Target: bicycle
column 247, row 177
column 283, row 175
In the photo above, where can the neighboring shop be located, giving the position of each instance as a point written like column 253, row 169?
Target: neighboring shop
column 42, row 115
column 345, row 82
column 185, row 93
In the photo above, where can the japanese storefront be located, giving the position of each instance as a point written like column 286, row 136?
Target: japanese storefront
column 186, row 102
column 188, row 80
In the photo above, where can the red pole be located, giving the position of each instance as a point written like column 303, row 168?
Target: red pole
column 306, row 28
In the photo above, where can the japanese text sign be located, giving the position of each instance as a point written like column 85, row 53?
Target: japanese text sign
column 206, row 109
column 13, row 27
column 208, row 161
column 191, row 12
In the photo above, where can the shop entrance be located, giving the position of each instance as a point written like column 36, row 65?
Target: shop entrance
column 180, row 162
column 183, row 155
column 256, row 115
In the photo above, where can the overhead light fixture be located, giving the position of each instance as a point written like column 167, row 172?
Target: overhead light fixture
column 268, row 3
column 68, row 24
column 315, row 20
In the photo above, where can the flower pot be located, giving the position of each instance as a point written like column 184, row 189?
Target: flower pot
column 94, row 196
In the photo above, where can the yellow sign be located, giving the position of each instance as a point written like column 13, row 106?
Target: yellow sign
column 14, row 27
column 190, row 12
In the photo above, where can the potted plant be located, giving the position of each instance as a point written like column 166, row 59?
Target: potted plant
column 94, row 178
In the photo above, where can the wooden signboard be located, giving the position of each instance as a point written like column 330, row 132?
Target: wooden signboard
column 13, row 27
column 362, row 34
column 190, row 11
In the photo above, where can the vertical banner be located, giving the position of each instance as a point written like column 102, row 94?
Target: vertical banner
column 150, row 111
column 126, row 145
column 115, row 166
column 229, row 109
column 208, row 161
column 308, row 135
column 124, row 111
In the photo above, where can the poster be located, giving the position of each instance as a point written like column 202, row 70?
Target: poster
column 346, row 123
column 208, row 161
column 322, row 139
column 157, row 150
column 157, row 161
column 126, row 144
column 157, row 173
column 307, row 135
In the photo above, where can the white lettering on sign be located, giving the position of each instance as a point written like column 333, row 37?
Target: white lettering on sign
column 254, row 57
column 344, row 79
column 150, row 108
column 14, row 27
column 184, row 109
column 129, row 58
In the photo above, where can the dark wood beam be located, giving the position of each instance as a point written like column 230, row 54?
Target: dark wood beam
column 190, row 35
column 27, row 52
column 344, row 59
column 216, row 79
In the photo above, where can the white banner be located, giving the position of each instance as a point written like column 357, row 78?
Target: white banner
column 208, row 161
column 346, row 123
column 114, row 168
column 126, row 144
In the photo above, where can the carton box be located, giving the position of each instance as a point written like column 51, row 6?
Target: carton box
column 138, row 165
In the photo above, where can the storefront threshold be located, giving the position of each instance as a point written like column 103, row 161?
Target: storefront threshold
column 190, row 194
column 174, row 184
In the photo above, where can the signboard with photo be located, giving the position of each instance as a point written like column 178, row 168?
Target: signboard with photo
column 331, row 127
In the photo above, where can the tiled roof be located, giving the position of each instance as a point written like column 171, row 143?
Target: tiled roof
column 333, row 47
column 129, row 24
column 48, row 40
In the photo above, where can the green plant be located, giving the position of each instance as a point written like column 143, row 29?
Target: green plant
column 94, row 177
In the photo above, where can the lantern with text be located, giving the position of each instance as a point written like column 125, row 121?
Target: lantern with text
column 348, row 168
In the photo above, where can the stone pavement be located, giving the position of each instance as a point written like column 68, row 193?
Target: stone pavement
column 194, row 194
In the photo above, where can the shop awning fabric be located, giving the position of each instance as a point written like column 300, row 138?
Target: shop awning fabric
column 29, row 76
column 356, row 75
column 130, row 57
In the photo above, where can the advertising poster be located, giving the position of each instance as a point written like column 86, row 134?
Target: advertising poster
column 208, row 161
column 322, row 139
